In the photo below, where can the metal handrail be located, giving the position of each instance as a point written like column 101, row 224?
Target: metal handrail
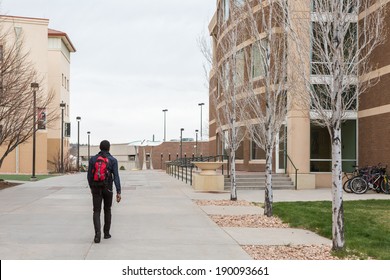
column 296, row 171
column 173, row 167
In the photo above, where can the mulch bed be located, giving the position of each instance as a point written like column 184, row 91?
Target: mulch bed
column 250, row 221
column 257, row 252
column 296, row 252
column 5, row 184
column 222, row 203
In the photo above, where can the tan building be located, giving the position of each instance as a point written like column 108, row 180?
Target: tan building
column 50, row 52
column 301, row 142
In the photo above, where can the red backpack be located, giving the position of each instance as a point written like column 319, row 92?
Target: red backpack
column 100, row 170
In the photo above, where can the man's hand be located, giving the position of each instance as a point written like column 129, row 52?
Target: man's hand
column 118, row 198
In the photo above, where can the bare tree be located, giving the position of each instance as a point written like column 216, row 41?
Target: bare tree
column 227, row 77
column 343, row 36
column 266, row 90
column 16, row 96
column 69, row 162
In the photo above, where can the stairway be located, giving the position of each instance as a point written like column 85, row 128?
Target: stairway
column 256, row 181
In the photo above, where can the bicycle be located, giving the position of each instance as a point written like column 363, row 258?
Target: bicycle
column 385, row 186
column 350, row 176
column 371, row 179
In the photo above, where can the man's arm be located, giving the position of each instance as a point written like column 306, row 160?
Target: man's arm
column 89, row 173
column 116, row 176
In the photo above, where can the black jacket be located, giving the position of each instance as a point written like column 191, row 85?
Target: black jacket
column 112, row 168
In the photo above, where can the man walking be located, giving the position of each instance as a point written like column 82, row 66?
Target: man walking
column 102, row 173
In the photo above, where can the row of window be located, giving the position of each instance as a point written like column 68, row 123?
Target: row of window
column 348, row 6
column 65, row 82
column 257, row 66
column 320, row 148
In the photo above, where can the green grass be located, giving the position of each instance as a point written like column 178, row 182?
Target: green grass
column 10, row 177
column 366, row 224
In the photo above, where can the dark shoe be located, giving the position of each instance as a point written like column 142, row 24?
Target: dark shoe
column 107, row 236
column 97, row 238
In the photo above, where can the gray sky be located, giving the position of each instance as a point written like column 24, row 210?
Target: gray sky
column 133, row 59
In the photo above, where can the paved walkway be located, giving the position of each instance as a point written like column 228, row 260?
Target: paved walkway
column 156, row 219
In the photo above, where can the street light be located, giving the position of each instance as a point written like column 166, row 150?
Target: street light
column 78, row 143
column 181, row 143
column 165, row 124
column 196, row 143
column 201, row 104
column 62, row 105
column 89, row 133
column 34, row 87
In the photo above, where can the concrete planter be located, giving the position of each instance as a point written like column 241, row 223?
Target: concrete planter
column 208, row 179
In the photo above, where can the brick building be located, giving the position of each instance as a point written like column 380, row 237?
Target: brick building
column 364, row 130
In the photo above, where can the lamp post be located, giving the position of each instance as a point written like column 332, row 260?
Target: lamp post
column 89, row 152
column 196, row 143
column 78, row 143
column 62, row 105
column 165, row 124
column 181, row 143
column 34, row 87
column 201, row 104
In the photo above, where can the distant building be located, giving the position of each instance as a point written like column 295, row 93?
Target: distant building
column 131, row 156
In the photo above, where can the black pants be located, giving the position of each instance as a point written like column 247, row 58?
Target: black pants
column 99, row 194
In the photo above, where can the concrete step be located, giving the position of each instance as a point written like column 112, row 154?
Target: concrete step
column 257, row 181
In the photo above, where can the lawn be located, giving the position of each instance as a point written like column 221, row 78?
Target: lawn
column 367, row 223
column 12, row 177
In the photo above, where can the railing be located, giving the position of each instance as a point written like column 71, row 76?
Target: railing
column 296, row 171
column 180, row 167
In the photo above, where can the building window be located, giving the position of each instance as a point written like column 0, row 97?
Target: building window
column 349, row 6
column 256, row 152
column 239, row 3
column 258, row 69
column 321, row 147
column 321, row 56
column 225, row 75
column 225, row 151
column 18, row 31
column 240, row 68
column 349, row 101
column 131, row 157
column 240, row 151
column 226, row 9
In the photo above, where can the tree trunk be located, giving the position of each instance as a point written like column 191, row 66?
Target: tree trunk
column 233, row 182
column 337, row 192
column 268, row 178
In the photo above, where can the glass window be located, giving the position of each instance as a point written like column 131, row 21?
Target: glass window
column 240, row 151
column 349, row 6
column 321, row 147
column 226, row 9
column 225, row 146
column 322, row 53
column 256, row 152
column 258, row 59
column 225, row 73
column 324, row 93
column 239, row 3
column 240, row 68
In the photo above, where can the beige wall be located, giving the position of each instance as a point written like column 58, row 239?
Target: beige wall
column 51, row 61
column 59, row 66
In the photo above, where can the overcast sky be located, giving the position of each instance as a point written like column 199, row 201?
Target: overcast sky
column 133, row 59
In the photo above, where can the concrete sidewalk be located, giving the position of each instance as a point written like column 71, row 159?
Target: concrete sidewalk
column 156, row 219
